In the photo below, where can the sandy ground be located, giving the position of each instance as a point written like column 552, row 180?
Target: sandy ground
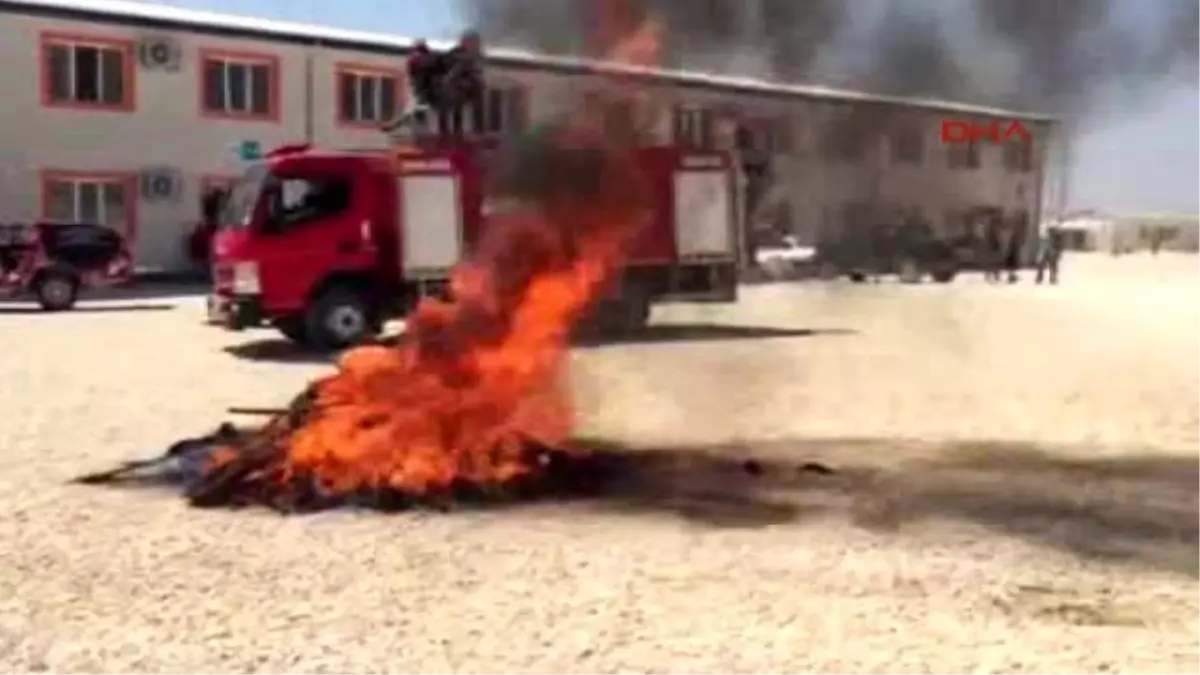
column 1015, row 491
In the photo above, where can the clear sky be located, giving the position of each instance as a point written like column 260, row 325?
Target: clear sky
column 1146, row 162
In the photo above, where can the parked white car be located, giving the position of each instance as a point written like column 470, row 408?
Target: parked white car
column 785, row 260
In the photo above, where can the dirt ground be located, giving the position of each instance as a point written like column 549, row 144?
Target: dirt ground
column 1014, row 490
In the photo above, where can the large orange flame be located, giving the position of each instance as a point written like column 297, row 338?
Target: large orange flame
column 478, row 376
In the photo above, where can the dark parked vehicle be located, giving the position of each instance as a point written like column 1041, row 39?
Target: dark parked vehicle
column 53, row 261
column 910, row 251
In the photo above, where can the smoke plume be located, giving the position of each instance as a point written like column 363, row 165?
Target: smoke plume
column 1056, row 56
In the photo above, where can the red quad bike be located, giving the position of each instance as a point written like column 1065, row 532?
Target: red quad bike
column 53, row 261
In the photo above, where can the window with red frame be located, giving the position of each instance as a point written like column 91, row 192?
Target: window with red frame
column 239, row 86
column 367, row 97
column 906, row 144
column 962, row 155
column 504, row 110
column 618, row 117
column 694, row 127
column 768, row 136
column 85, row 199
column 1018, row 155
column 86, row 74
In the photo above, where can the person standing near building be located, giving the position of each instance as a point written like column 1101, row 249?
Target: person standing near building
column 991, row 250
column 199, row 240
column 1049, row 255
column 1014, row 241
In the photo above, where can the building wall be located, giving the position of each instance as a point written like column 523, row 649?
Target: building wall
column 1131, row 234
column 164, row 125
column 821, row 191
column 824, row 186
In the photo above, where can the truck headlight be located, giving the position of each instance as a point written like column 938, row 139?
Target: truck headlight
column 245, row 278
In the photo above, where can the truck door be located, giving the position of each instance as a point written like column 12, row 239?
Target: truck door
column 313, row 228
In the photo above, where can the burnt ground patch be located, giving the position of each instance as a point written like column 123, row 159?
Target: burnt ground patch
column 1134, row 507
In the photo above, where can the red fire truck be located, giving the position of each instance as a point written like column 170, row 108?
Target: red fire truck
column 326, row 245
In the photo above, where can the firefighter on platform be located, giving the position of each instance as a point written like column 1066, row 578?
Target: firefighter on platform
column 442, row 84
column 422, row 69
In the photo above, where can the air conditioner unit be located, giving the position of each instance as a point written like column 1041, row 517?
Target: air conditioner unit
column 160, row 53
column 161, row 184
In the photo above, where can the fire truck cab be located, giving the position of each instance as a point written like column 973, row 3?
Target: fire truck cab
column 327, row 245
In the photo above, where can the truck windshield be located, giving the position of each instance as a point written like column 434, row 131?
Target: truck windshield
column 239, row 205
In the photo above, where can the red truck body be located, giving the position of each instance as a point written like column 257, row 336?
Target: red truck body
column 364, row 234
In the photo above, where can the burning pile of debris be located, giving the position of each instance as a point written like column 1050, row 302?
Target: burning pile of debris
column 468, row 402
column 244, row 467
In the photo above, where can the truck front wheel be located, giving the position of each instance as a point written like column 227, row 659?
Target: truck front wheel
column 339, row 317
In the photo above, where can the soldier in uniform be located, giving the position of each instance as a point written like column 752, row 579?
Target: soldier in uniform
column 992, row 249
column 1049, row 255
column 1013, row 243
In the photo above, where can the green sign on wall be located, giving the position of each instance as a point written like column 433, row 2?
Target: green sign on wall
column 250, row 151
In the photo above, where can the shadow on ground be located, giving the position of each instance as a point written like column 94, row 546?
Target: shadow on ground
column 712, row 487
column 148, row 290
column 84, row 308
column 283, row 351
column 134, row 297
column 277, row 350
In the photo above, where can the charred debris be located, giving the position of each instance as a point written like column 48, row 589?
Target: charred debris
column 588, row 469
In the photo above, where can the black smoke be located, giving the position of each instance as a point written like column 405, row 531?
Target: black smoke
column 1069, row 54
column 1057, row 56
column 746, row 37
